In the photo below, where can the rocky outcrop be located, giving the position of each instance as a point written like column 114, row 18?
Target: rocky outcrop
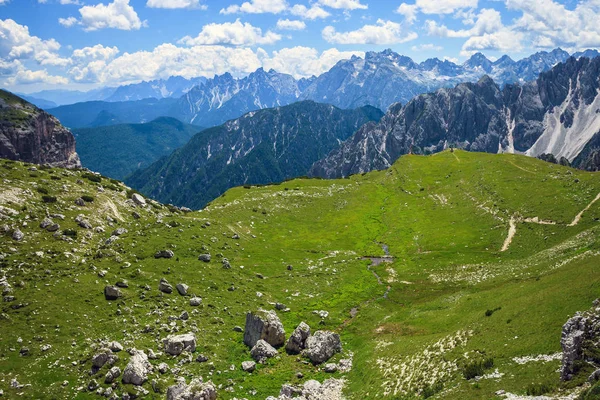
column 175, row 345
column 322, row 346
column 297, row 341
column 30, row 134
column 262, row 351
column 330, row 389
column 580, row 340
column 196, row 390
column 264, row 325
column 137, row 370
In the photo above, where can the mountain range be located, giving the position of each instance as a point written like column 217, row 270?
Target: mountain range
column 379, row 79
column 558, row 114
column 261, row 147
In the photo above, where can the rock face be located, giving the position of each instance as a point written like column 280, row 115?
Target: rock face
column 297, row 341
column 264, row 325
column 32, row 135
column 175, row 345
column 262, row 351
column 137, row 370
column 322, row 346
column 580, row 334
column 540, row 117
column 196, row 390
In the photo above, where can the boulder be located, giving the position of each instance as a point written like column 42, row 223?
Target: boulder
column 112, row 292
column 578, row 336
column 195, row 301
column 164, row 254
column 297, row 341
column 264, row 325
column 196, row 390
column 262, row 351
column 248, row 366
column 112, row 375
column 80, row 202
column 175, row 345
column 322, row 346
column 138, row 199
column 101, row 358
column 204, row 257
column 115, row 347
column 53, row 228
column 182, row 288
column 136, row 371
column 119, row 232
column 46, row 223
column 18, row 235
column 164, row 286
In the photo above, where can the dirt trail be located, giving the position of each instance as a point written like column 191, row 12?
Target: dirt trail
column 578, row 216
column 512, row 230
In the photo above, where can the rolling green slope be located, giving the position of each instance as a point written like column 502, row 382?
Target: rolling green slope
column 461, row 290
column 119, row 150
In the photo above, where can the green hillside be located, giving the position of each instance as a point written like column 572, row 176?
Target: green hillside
column 449, row 305
column 119, row 150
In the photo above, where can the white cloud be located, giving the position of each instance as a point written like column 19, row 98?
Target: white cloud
column 118, row 15
column 488, row 21
column 26, row 77
column 409, row 11
column 303, row 62
column 97, row 52
column 444, row 6
column 384, row 32
column 427, row 47
column 176, row 4
column 17, row 44
column 257, row 7
column 77, row 2
column 344, row 4
column 233, row 33
column 504, row 40
column 68, row 22
column 311, row 13
column 286, row 24
column 2, row 2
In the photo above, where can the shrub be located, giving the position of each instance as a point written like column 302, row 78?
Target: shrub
column 87, row 199
column 431, row 390
column 42, row 190
column 539, row 389
column 489, row 313
column 477, row 368
column 55, row 178
column 92, row 177
column 70, row 232
column 115, row 182
column 49, row 199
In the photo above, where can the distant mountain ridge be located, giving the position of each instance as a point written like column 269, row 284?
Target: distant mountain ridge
column 556, row 114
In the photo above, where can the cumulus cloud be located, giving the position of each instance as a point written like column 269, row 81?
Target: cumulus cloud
column 304, row 62
column 286, row 24
column 68, row 22
column 27, row 77
column 233, row 33
column 17, row 44
column 344, row 4
column 176, row 4
column 383, row 32
column 117, row 15
column 488, row 21
column 2, row 2
column 444, row 6
column 409, row 11
column 257, row 7
column 427, row 47
column 312, row 13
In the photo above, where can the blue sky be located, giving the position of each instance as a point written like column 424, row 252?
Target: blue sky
column 92, row 43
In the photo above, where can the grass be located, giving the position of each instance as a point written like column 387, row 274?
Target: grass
column 414, row 343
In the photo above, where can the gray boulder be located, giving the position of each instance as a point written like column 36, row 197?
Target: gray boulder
column 164, row 254
column 195, row 301
column 262, row 351
column 112, row 292
column 137, row 370
column 18, row 235
column 119, row 232
column 297, row 341
column 175, row 345
column 579, row 334
column 138, row 199
column 322, row 346
column 182, row 288
column 164, row 286
column 264, row 325
column 248, row 366
column 46, row 223
column 196, row 390
column 204, row 257
column 101, row 358
column 112, row 375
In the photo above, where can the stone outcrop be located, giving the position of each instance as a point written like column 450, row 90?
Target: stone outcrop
column 322, row 346
column 262, row 351
column 30, row 134
column 137, row 370
column 175, row 345
column 196, row 390
column 580, row 335
column 297, row 341
column 264, row 325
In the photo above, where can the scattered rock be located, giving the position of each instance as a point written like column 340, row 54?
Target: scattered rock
column 323, row 314
column 248, row 366
column 112, row 375
column 101, row 358
column 195, row 301
column 119, row 232
column 163, row 368
column 46, row 347
column 18, row 235
column 184, row 316
column 262, row 351
column 264, row 325
column 201, row 358
column 164, row 286
column 226, row 264
column 196, row 390
column 204, row 257
column 112, row 292
column 280, row 307
column 46, row 223
column 53, row 228
column 122, row 284
column 136, row 371
column 322, row 346
column 164, row 254
column 238, row 329
column 80, row 202
column 138, row 199
column 297, row 341
column 175, row 345
column 182, row 288
column 330, row 368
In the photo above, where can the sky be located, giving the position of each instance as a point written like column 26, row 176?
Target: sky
column 85, row 44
